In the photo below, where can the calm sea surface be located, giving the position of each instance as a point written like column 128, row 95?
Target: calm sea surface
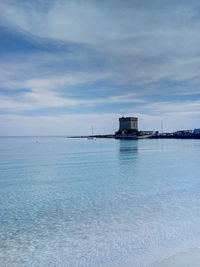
column 79, row 202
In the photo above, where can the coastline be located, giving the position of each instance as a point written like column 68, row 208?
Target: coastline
column 132, row 137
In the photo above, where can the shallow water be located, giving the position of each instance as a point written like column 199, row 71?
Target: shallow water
column 104, row 202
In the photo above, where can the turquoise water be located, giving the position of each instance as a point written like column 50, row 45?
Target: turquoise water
column 104, row 202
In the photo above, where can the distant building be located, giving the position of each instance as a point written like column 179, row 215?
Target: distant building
column 196, row 131
column 184, row 133
column 128, row 123
column 149, row 132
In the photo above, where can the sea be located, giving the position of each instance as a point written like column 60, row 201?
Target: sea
column 98, row 202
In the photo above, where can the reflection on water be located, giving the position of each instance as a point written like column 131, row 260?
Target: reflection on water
column 128, row 149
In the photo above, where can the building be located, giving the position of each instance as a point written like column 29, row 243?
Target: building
column 184, row 133
column 149, row 132
column 196, row 131
column 128, row 123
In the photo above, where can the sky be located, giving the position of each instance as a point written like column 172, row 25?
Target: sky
column 67, row 66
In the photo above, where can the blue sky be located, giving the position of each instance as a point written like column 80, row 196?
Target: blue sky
column 69, row 65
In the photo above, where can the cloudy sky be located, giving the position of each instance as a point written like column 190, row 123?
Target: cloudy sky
column 67, row 65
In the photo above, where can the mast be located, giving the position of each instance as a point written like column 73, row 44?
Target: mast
column 161, row 126
column 92, row 130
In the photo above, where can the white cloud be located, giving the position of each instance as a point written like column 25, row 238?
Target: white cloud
column 142, row 44
column 65, row 80
column 80, row 124
column 172, row 107
column 74, row 124
column 50, row 99
column 94, row 22
column 125, row 98
column 139, row 45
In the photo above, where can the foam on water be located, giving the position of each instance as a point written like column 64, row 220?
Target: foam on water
column 71, row 202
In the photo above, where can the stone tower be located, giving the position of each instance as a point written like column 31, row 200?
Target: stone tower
column 128, row 123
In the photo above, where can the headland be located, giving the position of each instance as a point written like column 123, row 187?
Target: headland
column 128, row 129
